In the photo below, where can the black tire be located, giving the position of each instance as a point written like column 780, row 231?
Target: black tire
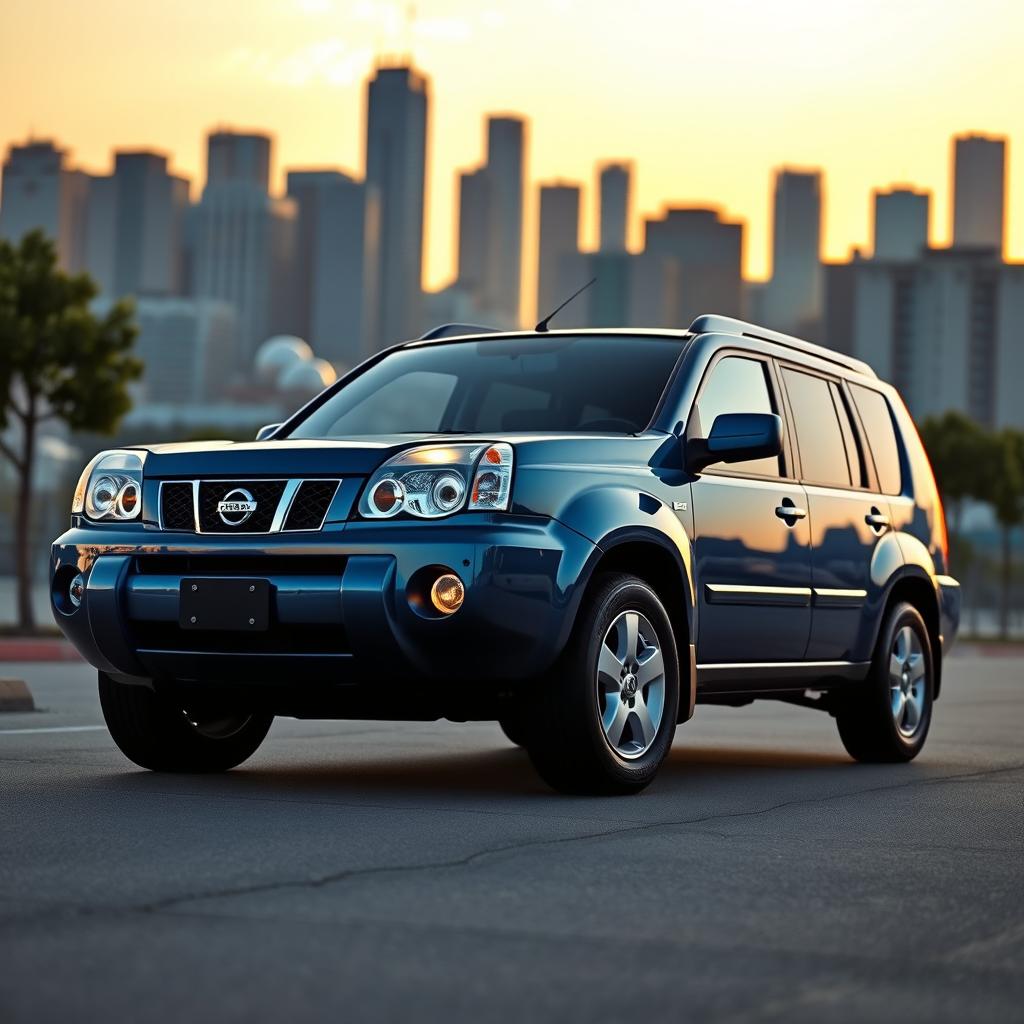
column 867, row 720
column 159, row 734
column 567, row 741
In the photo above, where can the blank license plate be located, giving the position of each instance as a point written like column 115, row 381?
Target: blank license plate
column 242, row 605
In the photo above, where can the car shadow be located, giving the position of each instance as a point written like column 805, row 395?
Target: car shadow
column 502, row 772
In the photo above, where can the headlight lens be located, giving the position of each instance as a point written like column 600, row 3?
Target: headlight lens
column 110, row 488
column 437, row 480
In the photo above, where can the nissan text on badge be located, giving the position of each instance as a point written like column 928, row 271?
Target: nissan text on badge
column 580, row 534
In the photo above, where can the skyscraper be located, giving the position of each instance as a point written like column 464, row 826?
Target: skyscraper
column 559, row 236
column 40, row 191
column 244, row 245
column 473, row 228
column 238, row 156
column 505, row 162
column 335, row 257
column 615, row 195
column 900, row 223
column 707, row 251
column 149, row 212
column 793, row 298
column 396, row 153
column 979, row 191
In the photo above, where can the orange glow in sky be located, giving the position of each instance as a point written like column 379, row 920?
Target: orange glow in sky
column 706, row 98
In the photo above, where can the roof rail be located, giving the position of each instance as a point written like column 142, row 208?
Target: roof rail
column 454, row 330
column 711, row 323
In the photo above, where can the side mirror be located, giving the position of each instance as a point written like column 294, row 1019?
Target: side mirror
column 268, row 431
column 736, row 437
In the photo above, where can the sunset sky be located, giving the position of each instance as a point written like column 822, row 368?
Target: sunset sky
column 707, row 98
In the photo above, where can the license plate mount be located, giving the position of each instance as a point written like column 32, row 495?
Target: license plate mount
column 239, row 605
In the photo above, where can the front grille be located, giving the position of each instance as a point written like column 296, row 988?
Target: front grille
column 266, row 494
column 309, row 507
column 176, row 512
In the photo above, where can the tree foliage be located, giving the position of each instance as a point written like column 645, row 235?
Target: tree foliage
column 58, row 361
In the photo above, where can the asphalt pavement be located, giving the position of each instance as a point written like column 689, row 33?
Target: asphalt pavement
column 374, row 871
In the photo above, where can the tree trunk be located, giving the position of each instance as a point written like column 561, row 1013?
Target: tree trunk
column 1004, row 597
column 23, row 527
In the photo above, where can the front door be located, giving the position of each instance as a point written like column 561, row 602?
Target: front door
column 751, row 533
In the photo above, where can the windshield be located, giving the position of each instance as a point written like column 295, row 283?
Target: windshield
column 599, row 383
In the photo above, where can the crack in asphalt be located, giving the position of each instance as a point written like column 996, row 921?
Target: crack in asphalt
column 334, row 878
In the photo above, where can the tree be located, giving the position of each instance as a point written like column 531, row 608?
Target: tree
column 1005, row 482
column 59, row 361
column 956, row 446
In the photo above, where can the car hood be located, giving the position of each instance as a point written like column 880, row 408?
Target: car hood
column 361, row 456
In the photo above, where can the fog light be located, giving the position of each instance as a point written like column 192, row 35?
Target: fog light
column 447, row 593
column 76, row 590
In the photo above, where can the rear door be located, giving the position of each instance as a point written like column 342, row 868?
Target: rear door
column 848, row 516
column 751, row 532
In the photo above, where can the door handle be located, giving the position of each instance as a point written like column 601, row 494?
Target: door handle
column 876, row 520
column 790, row 512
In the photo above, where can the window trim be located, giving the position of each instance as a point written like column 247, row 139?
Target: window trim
column 858, row 436
column 778, row 407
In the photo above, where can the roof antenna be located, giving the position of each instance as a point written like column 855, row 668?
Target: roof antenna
column 542, row 327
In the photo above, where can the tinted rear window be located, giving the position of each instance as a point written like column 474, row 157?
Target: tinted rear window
column 877, row 419
column 603, row 384
column 819, row 433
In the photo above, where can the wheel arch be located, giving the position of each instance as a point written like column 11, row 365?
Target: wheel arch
column 915, row 587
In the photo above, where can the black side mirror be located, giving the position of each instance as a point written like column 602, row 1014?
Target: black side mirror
column 736, row 437
column 268, row 431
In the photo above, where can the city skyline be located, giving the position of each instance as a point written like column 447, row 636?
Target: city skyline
column 313, row 105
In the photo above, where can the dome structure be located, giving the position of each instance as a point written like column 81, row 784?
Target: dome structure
column 309, row 376
column 279, row 354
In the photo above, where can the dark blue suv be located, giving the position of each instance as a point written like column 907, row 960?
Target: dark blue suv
column 581, row 534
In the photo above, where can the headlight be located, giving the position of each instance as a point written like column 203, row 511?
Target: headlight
column 437, row 480
column 110, row 488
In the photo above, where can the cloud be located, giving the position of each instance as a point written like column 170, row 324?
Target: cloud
column 329, row 61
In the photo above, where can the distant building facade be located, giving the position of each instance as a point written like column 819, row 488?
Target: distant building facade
column 336, row 256
column 792, row 300
column 945, row 329
column 900, row 223
column 979, row 191
column 615, row 198
column 706, row 254
column 559, row 236
column 396, row 151
column 244, row 255
column 42, row 192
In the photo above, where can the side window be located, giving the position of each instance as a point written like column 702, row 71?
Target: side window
column 877, row 419
column 819, row 432
column 737, row 384
column 854, row 456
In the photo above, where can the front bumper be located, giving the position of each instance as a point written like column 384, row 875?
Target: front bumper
column 343, row 601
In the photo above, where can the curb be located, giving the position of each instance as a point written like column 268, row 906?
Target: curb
column 15, row 696
column 37, row 649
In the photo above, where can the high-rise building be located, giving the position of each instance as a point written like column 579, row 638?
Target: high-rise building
column 945, row 329
column 41, row 191
column 793, row 298
column 900, row 223
column 615, row 188
column 707, row 252
column 396, row 153
column 979, row 191
column 505, row 166
column 559, row 235
column 244, row 246
column 473, row 229
column 335, row 257
column 238, row 156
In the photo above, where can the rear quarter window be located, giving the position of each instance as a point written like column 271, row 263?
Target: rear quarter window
column 876, row 417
